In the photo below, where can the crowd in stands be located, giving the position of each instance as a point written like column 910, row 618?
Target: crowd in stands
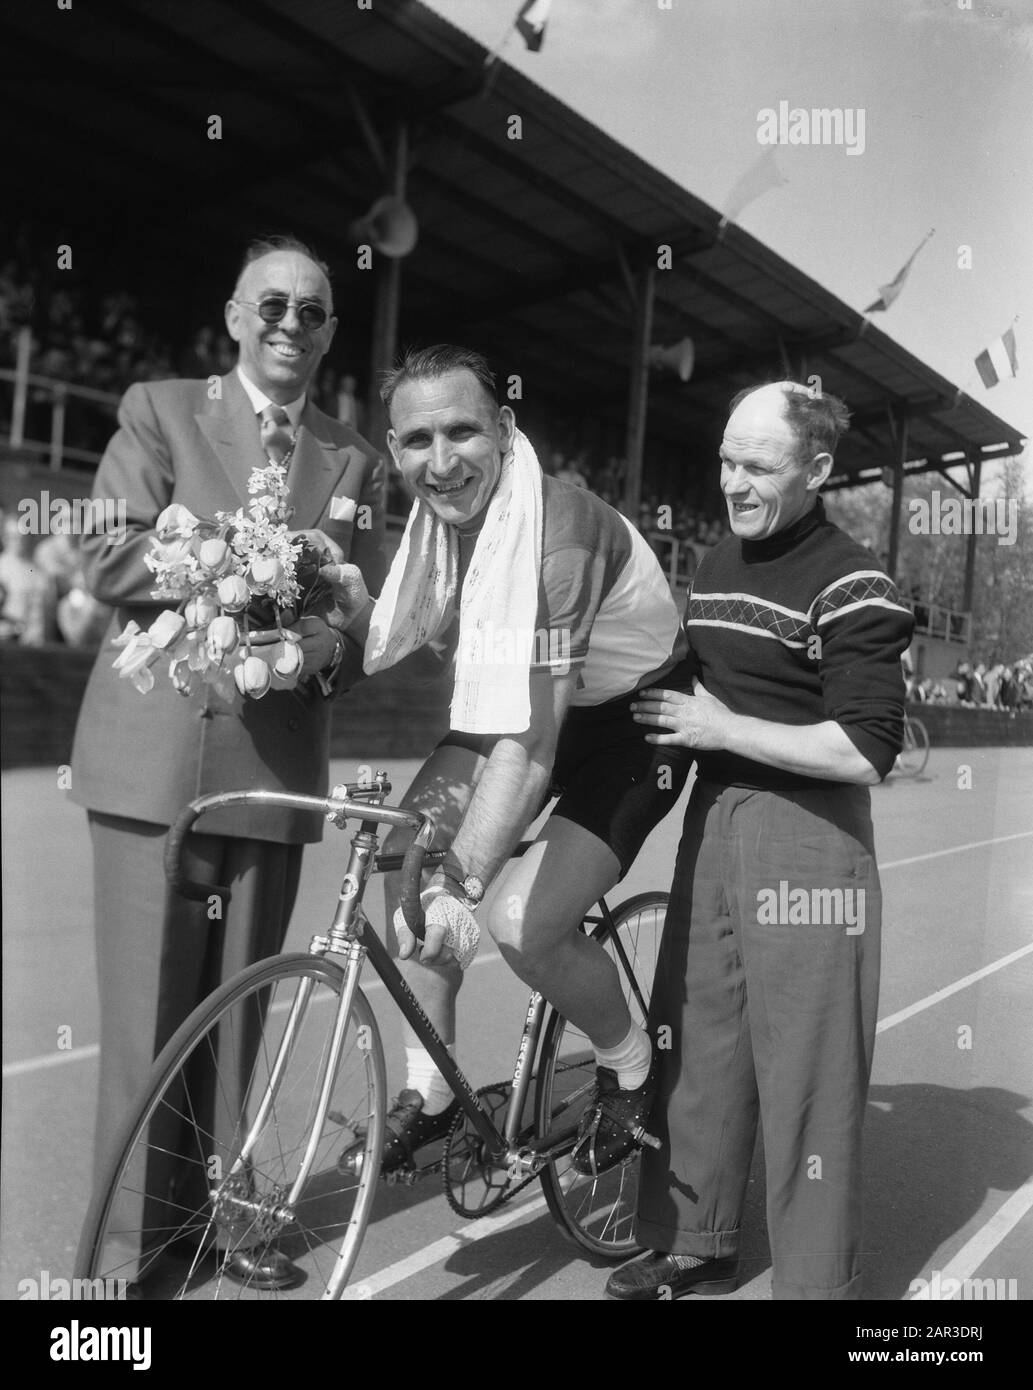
column 105, row 344
column 43, row 595
column 999, row 687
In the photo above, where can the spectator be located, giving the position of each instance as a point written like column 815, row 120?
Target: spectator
column 325, row 392
column 572, row 474
column 29, row 595
column 225, row 357
column 977, row 684
column 993, row 685
column 199, row 359
column 963, row 678
column 348, row 409
column 81, row 620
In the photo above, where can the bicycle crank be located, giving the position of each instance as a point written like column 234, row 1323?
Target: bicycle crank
column 476, row 1183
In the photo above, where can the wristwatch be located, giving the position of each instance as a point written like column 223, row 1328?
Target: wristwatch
column 472, row 887
column 325, row 678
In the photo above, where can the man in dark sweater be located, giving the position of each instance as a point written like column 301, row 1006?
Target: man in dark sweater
column 767, row 983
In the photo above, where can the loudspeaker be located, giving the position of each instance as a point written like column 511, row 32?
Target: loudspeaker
column 390, row 227
column 679, row 357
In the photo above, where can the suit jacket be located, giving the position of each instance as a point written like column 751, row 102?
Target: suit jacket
column 146, row 756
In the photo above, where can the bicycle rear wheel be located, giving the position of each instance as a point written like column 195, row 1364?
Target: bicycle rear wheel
column 206, row 1166
column 597, row 1213
column 914, row 753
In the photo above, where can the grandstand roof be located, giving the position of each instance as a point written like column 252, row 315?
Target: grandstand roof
column 526, row 246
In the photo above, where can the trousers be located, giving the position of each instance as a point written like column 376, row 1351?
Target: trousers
column 159, row 955
column 764, row 1009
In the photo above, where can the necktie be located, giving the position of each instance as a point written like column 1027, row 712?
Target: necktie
column 276, row 435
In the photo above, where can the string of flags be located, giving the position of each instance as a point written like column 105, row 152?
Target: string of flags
column 762, row 175
column 531, row 21
column 999, row 360
column 888, row 293
column 994, row 364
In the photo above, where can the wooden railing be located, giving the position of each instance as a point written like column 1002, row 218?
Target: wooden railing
column 59, row 394
column 944, row 624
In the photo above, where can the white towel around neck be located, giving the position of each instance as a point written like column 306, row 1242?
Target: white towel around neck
column 499, row 600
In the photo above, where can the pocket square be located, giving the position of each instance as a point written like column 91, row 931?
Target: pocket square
column 342, row 508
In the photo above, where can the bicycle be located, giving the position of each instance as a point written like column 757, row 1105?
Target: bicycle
column 914, row 752
column 270, row 1104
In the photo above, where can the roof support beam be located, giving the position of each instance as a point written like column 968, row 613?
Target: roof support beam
column 387, row 297
column 970, row 546
column 900, row 437
column 638, row 390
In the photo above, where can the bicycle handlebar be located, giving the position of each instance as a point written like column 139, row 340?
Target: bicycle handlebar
column 338, row 808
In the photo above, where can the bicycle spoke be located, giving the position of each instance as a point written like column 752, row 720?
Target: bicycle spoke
column 597, row 1211
column 217, row 1150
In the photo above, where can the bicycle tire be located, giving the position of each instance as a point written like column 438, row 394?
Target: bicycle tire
column 169, row 1211
column 914, row 753
column 597, row 1213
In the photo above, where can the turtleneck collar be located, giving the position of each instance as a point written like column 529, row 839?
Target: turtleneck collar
column 771, row 547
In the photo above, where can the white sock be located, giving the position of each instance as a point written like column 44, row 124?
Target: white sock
column 630, row 1059
column 422, row 1075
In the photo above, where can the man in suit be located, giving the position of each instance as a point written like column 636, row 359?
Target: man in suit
column 139, row 759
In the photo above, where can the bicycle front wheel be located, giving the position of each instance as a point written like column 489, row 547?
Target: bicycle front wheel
column 597, row 1213
column 914, row 753
column 206, row 1174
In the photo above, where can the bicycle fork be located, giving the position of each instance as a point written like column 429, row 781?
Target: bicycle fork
column 229, row 1201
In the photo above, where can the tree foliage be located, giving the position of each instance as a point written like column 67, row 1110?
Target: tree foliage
column 932, row 567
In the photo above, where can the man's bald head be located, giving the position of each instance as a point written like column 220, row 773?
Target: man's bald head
column 776, row 454
column 818, row 421
column 280, row 351
column 261, row 247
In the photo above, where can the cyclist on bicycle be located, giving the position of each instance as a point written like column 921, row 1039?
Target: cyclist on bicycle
column 553, row 612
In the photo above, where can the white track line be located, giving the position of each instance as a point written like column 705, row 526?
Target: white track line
column 975, row 1250
column 85, row 1054
column 939, row 853
column 931, row 999
column 440, row 1250
column 79, row 1054
column 51, row 1059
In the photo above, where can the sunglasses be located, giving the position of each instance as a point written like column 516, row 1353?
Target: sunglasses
column 274, row 306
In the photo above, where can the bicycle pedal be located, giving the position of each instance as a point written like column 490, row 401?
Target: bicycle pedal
column 641, row 1136
column 408, row 1176
column 395, row 1177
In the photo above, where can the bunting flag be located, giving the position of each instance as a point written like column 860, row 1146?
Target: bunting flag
column 531, row 21
column 999, row 360
column 888, row 293
column 762, row 175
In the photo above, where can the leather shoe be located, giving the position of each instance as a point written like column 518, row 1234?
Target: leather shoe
column 657, row 1275
column 266, row 1268
column 407, row 1129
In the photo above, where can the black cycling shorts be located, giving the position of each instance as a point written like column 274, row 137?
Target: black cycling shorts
column 608, row 779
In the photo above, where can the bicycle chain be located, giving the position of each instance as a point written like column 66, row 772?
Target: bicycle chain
column 514, row 1186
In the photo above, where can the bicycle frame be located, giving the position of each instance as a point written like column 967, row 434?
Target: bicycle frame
column 501, row 1145
column 352, row 936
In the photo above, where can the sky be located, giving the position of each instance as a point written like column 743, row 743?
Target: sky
column 947, row 94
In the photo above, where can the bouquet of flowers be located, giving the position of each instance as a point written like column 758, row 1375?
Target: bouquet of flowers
column 243, row 573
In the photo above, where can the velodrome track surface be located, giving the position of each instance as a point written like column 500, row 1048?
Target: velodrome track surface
column 949, row 1155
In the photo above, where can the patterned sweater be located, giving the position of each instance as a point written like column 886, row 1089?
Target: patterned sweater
column 800, row 628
